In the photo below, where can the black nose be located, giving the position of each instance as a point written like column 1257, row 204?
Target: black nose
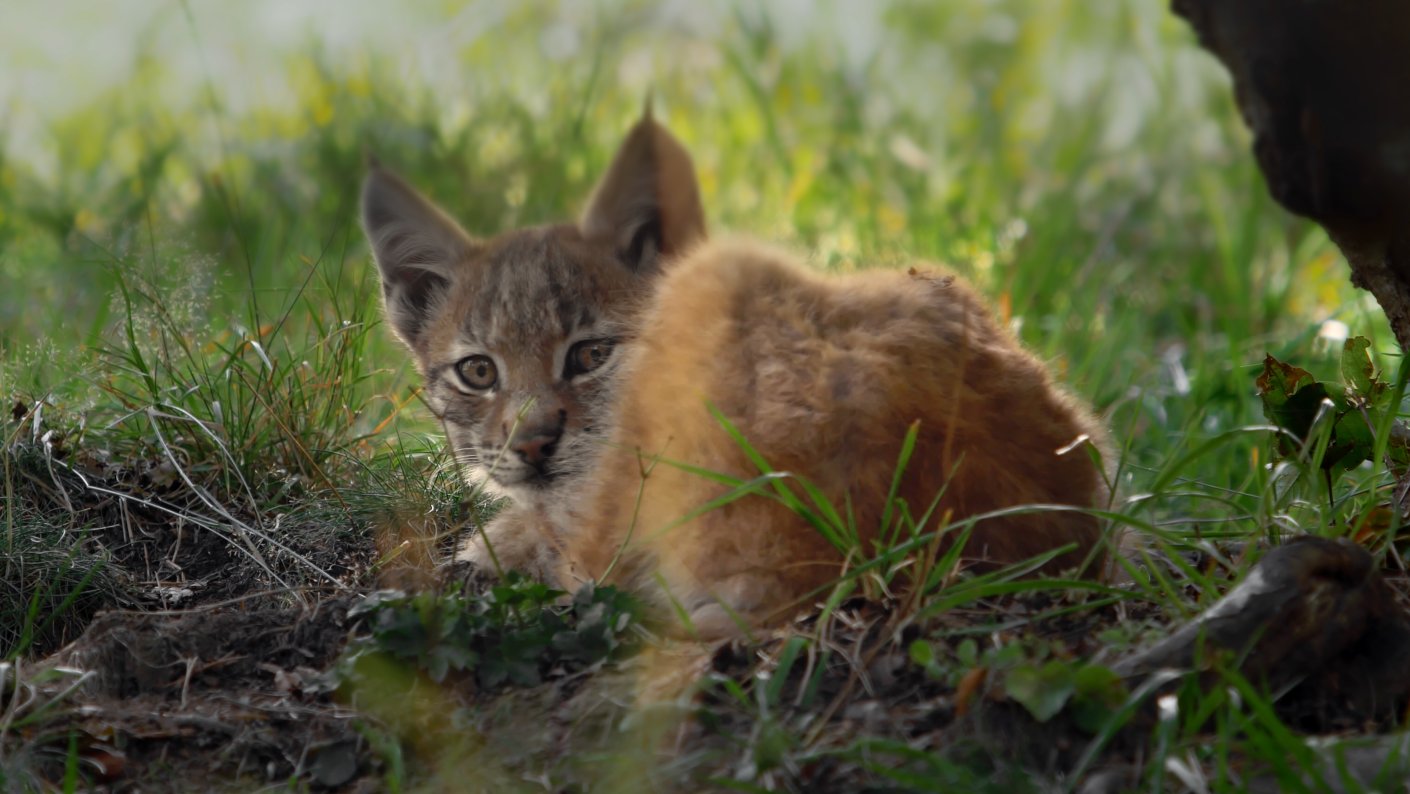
column 535, row 448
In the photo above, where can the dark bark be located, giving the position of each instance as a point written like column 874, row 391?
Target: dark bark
column 1325, row 87
column 1315, row 620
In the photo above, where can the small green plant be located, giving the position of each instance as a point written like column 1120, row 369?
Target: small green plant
column 513, row 634
column 1351, row 418
column 1335, row 431
column 964, row 657
column 1091, row 693
column 1035, row 677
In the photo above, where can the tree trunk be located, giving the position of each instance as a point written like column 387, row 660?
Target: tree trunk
column 1325, row 87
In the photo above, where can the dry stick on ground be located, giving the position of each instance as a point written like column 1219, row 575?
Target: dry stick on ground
column 1314, row 619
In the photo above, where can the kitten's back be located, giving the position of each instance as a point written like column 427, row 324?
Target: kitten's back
column 823, row 376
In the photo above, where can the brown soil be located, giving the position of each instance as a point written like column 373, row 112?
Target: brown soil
column 232, row 695
column 208, row 698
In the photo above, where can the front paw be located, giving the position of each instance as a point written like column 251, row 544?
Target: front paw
column 475, row 551
column 510, row 542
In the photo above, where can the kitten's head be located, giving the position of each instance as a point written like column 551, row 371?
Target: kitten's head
column 517, row 336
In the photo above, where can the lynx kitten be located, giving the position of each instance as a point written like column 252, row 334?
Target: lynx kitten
column 576, row 368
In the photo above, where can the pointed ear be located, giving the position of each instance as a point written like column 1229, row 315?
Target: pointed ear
column 417, row 246
column 648, row 204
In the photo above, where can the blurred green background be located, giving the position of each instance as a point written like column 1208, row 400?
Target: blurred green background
column 1082, row 162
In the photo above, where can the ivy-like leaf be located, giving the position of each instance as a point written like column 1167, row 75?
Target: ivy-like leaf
column 1100, row 693
column 1352, row 442
column 1359, row 373
column 1042, row 690
column 1291, row 399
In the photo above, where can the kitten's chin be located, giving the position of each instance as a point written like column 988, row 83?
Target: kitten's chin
column 527, row 485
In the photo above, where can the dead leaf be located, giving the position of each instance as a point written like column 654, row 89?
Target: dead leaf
column 968, row 688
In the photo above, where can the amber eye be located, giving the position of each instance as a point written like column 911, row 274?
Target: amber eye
column 588, row 355
column 478, row 372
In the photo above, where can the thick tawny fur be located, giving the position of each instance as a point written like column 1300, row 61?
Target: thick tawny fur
column 563, row 360
column 822, row 375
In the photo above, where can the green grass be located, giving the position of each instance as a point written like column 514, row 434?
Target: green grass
column 190, row 328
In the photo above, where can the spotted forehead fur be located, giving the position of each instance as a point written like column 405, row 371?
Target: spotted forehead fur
column 529, row 289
